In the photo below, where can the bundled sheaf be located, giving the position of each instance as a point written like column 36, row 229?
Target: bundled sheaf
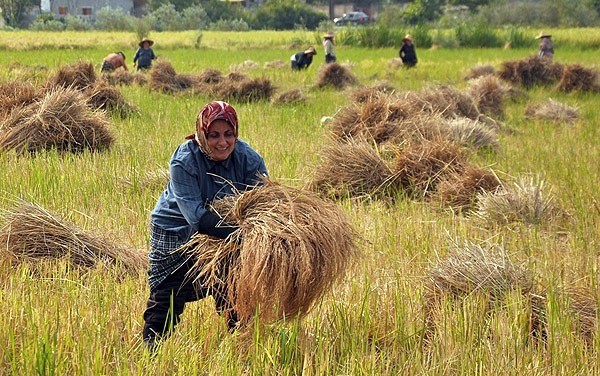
column 445, row 100
column 363, row 94
column 123, row 77
column 531, row 72
column 336, row 76
column 480, row 71
column 468, row 133
column 15, row 94
column 489, row 94
column 552, row 110
column 290, row 97
column 61, row 120
column 80, row 76
column 578, row 78
column 460, row 191
column 31, row 233
column 244, row 89
column 163, row 77
column 351, row 167
column 108, row 98
column 294, row 246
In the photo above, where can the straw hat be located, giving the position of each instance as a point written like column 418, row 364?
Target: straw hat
column 329, row 35
column 310, row 50
column 407, row 37
column 150, row 42
column 543, row 35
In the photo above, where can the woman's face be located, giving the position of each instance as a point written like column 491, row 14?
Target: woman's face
column 220, row 140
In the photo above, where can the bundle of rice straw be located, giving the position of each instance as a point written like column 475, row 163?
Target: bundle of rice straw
column 164, row 78
column 531, row 71
column 489, row 94
column 109, row 98
column 290, row 97
column 421, row 166
column 553, row 111
column 80, row 76
column 445, row 100
column 210, row 76
column 335, row 75
column 245, row 90
column 351, row 167
column 275, row 64
column 578, row 78
column 480, row 71
column 61, row 120
column 460, row 190
column 363, row 94
column 245, row 65
column 295, row 246
column 31, row 233
column 469, row 133
column 16, row 94
column 119, row 77
column 583, row 306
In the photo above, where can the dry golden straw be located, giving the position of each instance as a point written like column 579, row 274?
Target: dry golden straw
column 578, row 78
column 295, row 246
column 80, row 76
column 31, row 233
column 552, row 110
column 489, row 94
column 531, row 72
column 61, row 120
column 290, row 97
column 108, row 98
column 16, row 94
column 480, row 71
column 164, row 78
column 336, row 76
column 460, row 190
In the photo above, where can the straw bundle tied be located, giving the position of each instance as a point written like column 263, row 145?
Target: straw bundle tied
column 552, row 110
column 469, row 133
column 363, row 94
column 531, row 71
column 445, row 100
column 353, row 167
column 489, row 94
column 108, row 98
column 164, row 78
column 578, row 78
column 16, row 94
column 336, row 76
column 123, row 77
column 210, row 76
column 460, row 190
column 62, row 120
column 583, row 307
column 80, row 76
column 290, row 97
column 480, row 71
column 295, row 246
column 244, row 89
column 31, row 233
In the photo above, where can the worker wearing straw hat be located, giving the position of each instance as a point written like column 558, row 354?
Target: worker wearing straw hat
column 303, row 59
column 210, row 165
column 329, row 48
column 144, row 55
column 546, row 49
column 407, row 52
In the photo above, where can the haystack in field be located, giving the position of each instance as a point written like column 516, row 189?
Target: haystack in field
column 351, row 167
column 125, row 78
column 531, row 71
column 243, row 66
column 210, row 76
column 489, row 94
column 553, row 111
column 480, row 71
column 445, row 100
column 164, row 78
column 583, row 308
column 460, row 190
column 80, row 76
column 108, row 98
column 336, row 76
column 245, row 90
column 362, row 94
column 578, row 78
column 470, row 269
column 31, row 233
column 295, row 246
column 421, row 166
column 469, row 133
column 524, row 201
column 15, row 94
column 275, row 64
column 61, row 120
column 290, row 97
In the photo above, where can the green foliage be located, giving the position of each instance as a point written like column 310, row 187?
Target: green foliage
column 518, row 38
column 286, row 15
column 14, row 10
column 141, row 27
column 179, row 5
column 373, row 36
column 391, row 16
column 421, row 11
column 47, row 24
column 422, row 36
column 476, row 35
column 111, row 19
column 222, row 10
column 230, row 25
column 194, row 18
column 75, row 23
column 165, row 17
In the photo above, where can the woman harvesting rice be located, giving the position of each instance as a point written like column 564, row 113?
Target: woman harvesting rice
column 213, row 163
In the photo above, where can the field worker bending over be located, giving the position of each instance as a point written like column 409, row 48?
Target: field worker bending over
column 546, row 48
column 113, row 61
column 407, row 52
column 303, row 59
column 213, row 163
column 144, row 55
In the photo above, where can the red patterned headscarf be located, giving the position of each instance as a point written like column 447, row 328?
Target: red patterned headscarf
column 215, row 110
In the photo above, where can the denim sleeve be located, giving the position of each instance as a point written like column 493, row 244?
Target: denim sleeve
column 188, row 194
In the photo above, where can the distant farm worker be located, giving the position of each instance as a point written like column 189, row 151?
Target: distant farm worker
column 144, row 55
column 546, row 48
column 329, row 49
column 211, row 164
column 303, row 59
column 113, row 61
column 407, row 52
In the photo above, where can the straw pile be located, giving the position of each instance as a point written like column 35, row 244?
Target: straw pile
column 80, row 76
column 363, row 94
column 525, row 201
column 244, row 89
column 468, row 133
column 108, row 98
column 489, row 94
column 61, row 120
column 531, row 71
column 553, row 111
column 336, row 76
column 578, row 78
column 353, row 167
column 445, row 100
column 290, row 97
column 583, row 307
column 295, row 246
column 275, row 64
column 480, row 71
column 123, row 77
column 164, row 78
column 460, row 191
column 30, row 233
column 245, row 65
column 210, row 76
column 16, row 94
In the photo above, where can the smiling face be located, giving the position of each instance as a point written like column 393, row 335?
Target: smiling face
column 220, row 140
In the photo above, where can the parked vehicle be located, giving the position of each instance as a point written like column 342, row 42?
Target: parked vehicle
column 355, row 18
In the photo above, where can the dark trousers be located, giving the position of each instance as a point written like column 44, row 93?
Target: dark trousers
column 165, row 304
column 330, row 58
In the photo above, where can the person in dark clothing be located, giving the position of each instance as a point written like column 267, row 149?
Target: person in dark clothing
column 546, row 48
column 212, row 164
column 407, row 52
column 144, row 55
column 303, row 59
column 329, row 48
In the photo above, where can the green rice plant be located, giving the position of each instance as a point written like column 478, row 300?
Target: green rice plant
column 477, row 35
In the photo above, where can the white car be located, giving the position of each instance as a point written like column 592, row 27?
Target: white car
column 356, row 18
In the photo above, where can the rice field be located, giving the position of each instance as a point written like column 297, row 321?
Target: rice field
column 511, row 287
